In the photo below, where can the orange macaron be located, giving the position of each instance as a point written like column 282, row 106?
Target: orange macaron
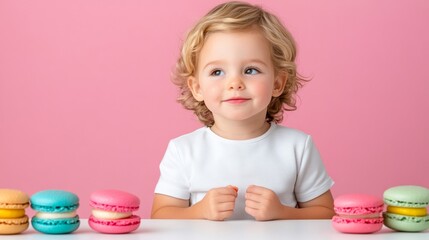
column 13, row 219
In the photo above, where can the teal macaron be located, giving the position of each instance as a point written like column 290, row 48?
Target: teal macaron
column 406, row 208
column 56, row 211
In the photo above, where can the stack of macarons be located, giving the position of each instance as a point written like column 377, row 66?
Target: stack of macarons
column 113, row 211
column 56, row 211
column 406, row 208
column 358, row 213
column 13, row 219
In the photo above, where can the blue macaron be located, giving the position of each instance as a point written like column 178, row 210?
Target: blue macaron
column 56, row 211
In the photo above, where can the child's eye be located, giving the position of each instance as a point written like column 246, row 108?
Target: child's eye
column 252, row 71
column 217, row 72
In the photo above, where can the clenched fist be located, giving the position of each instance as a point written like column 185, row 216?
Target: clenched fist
column 262, row 203
column 218, row 204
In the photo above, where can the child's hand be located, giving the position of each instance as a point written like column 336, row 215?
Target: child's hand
column 218, row 204
column 262, row 203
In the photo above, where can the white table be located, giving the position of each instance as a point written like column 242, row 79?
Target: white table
column 237, row 230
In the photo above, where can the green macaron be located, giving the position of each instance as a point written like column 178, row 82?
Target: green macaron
column 406, row 208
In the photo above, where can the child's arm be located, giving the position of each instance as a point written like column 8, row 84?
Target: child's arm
column 218, row 204
column 263, row 204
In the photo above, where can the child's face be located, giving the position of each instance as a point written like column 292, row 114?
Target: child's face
column 235, row 76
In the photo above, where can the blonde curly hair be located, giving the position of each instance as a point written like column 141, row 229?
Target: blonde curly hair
column 234, row 16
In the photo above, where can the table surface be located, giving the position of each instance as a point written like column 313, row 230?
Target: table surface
column 243, row 229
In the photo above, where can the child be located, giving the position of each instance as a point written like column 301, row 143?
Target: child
column 237, row 73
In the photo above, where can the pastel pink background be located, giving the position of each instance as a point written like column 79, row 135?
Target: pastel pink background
column 86, row 101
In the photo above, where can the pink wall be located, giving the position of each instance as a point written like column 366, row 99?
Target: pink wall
column 86, row 101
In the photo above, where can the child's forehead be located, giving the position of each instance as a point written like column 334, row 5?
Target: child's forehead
column 236, row 38
column 235, row 46
column 245, row 35
column 231, row 29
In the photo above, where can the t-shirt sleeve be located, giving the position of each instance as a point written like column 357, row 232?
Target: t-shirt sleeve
column 312, row 180
column 172, row 181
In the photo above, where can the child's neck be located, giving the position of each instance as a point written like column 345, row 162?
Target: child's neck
column 240, row 130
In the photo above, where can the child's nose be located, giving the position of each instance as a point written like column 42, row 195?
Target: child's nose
column 236, row 83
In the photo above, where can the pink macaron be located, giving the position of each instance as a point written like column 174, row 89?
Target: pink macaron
column 113, row 211
column 358, row 213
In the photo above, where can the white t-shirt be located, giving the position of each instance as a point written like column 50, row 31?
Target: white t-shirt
column 284, row 160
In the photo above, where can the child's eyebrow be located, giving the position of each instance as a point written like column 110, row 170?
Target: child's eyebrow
column 250, row 61
column 259, row 61
column 215, row 62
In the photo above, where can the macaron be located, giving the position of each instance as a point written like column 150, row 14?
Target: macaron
column 358, row 213
column 406, row 208
column 55, row 211
column 113, row 211
column 12, row 211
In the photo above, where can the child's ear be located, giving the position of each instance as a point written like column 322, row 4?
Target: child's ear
column 194, row 86
column 279, row 84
